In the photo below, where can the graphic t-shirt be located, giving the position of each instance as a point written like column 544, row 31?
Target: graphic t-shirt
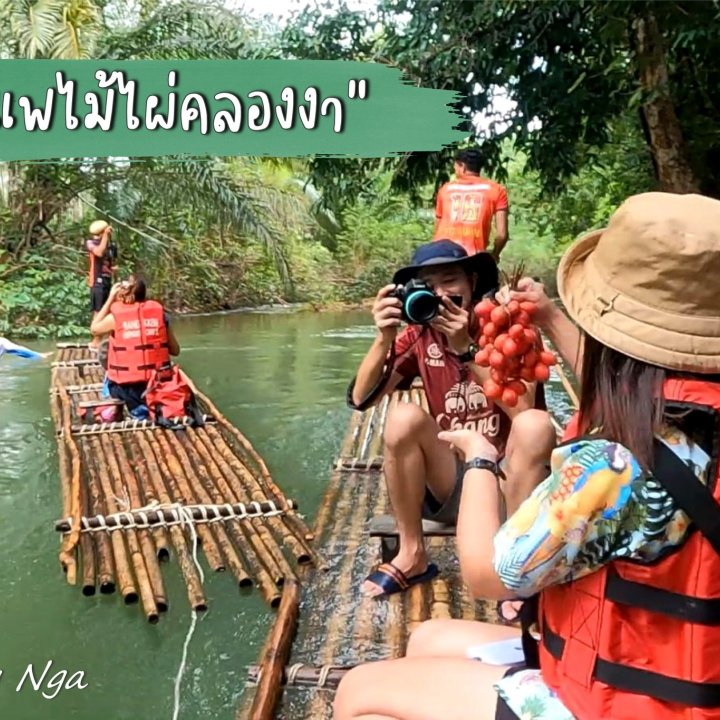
column 100, row 268
column 454, row 397
column 464, row 210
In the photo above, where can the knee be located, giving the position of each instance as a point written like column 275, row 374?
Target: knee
column 424, row 639
column 352, row 687
column 404, row 422
column 533, row 433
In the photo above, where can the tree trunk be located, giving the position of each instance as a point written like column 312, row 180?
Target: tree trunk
column 663, row 128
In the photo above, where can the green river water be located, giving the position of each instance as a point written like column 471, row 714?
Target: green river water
column 280, row 377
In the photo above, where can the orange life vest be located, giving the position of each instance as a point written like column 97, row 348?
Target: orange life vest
column 139, row 343
column 637, row 641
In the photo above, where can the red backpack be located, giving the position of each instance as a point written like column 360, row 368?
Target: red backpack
column 168, row 396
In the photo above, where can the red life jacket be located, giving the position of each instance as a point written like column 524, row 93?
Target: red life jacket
column 139, row 343
column 637, row 641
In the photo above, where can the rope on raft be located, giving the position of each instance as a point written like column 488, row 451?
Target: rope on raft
column 77, row 389
column 354, row 464
column 302, row 675
column 170, row 514
column 75, row 363
column 124, row 425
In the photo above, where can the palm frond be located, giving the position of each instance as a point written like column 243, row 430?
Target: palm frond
column 77, row 35
column 186, row 31
column 211, row 192
column 35, row 25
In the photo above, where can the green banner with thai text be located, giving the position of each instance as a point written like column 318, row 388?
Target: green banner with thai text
column 283, row 108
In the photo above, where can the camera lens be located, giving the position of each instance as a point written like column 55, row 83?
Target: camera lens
column 421, row 306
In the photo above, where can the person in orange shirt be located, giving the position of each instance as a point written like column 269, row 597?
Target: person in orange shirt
column 466, row 206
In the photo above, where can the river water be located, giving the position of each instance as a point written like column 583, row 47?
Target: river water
column 280, row 377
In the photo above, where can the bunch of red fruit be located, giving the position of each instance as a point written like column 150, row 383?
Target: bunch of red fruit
column 512, row 348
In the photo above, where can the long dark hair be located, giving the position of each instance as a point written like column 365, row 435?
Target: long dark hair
column 621, row 399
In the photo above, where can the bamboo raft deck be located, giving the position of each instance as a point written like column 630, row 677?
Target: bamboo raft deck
column 341, row 627
column 302, row 662
column 134, row 493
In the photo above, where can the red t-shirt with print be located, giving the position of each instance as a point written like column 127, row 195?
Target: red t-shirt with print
column 454, row 397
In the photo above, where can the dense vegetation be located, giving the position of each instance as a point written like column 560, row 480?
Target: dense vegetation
column 609, row 99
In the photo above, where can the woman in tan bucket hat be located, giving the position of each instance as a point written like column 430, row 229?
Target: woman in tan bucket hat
column 618, row 550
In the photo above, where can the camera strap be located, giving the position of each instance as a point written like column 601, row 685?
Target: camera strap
column 379, row 387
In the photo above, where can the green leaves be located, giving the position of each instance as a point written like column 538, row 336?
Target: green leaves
column 66, row 29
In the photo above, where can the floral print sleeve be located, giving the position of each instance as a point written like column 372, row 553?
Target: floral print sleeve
column 597, row 505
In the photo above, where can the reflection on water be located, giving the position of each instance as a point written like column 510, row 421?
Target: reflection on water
column 281, row 378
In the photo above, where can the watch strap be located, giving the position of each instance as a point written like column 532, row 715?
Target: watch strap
column 478, row 463
column 469, row 354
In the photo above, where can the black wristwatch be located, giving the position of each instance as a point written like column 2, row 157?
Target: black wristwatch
column 478, row 463
column 470, row 353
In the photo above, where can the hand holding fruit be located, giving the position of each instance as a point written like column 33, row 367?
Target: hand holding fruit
column 532, row 291
column 511, row 346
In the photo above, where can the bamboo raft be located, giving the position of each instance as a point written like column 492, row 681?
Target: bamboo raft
column 340, row 627
column 134, row 493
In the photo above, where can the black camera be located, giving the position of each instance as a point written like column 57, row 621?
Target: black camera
column 420, row 304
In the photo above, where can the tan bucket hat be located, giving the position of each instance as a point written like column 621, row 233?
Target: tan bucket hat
column 97, row 227
column 648, row 285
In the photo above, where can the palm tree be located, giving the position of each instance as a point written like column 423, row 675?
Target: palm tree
column 75, row 29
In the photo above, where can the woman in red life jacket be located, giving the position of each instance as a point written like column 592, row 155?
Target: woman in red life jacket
column 141, row 341
column 620, row 545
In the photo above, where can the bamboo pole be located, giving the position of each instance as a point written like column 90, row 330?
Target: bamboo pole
column 224, row 487
column 70, row 542
column 87, row 553
column 125, row 579
column 363, row 632
column 162, row 546
column 276, row 655
column 180, row 492
column 440, row 599
column 350, row 519
column 105, row 564
column 119, row 490
column 147, row 547
column 143, row 457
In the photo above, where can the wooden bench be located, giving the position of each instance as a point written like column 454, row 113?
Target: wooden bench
column 89, row 405
column 384, row 527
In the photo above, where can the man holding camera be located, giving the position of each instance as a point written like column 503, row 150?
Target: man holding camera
column 424, row 476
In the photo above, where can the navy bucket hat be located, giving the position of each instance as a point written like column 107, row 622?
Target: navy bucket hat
column 447, row 252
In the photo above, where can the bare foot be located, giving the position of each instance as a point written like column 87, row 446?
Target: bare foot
column 409, row 564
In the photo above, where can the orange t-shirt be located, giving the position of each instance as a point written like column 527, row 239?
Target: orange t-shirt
column 465, row 209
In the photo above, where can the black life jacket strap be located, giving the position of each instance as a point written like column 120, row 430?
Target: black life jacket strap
column 642, row 682
column 689, row 493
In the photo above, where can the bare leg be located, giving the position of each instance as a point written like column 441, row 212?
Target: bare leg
column 414, row 459
column 452, row 638
column 419, row 689
column 94, row 343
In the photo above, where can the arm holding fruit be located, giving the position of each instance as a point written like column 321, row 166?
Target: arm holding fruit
column 561, row 331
